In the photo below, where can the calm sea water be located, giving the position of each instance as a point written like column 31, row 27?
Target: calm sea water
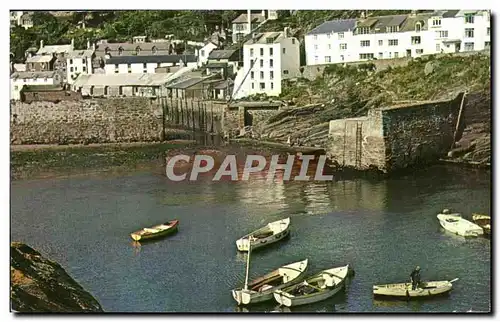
column 382, row 228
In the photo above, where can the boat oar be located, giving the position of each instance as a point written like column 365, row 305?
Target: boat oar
column 454, row 280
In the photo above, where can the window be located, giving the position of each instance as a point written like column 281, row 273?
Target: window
column 271, row 63
column 253, row 86
column 329, row 46
column 365, row 56
column 262, row 86
column 271, row 75
column 341, row 35
column 392, row 29
column 272, row 85
column 469, row 32
column 116, row 66
column 71, row 61
column 488, row 31
column 343, row 46
column 155, row 50
column 469, row 46
column 396, row 55
column 251, row 75
column 84, row 61
column 393, row 42
column 84, row 69
column 390, row 55
column 419, row 51
column 328, row 36
column 315, row 59
column 380, row 55
column 487, row 45
column 285, row 72
column 262, row 51
column 328, row 59
column 438, row 47
column 416, row 40
column 436, row 21
column 202, row 53
column 293, row 41
column 261, row 63
column 144, row 65
column 363, row 30
column 342, row 57
column 315, row 37
column 129, row 66
column 315, row 47
column 365, row 43
column 270, row 51
column 418, row 27
column 442, row 34
column 284, row 50
column 380, row 42
column 71, row 69
column 261, row 75
column 251, row 52
column 469, row 18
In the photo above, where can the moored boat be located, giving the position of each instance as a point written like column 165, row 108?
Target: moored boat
column 483, row 221
column 266, row 235
column 454, row 223
column 157, row 231
column 261, row 289
column 316, row 288
column 404, row 290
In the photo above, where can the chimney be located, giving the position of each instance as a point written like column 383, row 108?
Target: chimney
column 413, row 13
column 72, row 43
column 363, row 14
column 286, row 32
column 263, row 13
column 88, row 44
column 93, row 46
column 249, row 19
column 41, row 44
column 254, row 36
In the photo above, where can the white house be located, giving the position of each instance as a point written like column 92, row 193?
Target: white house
column 146, row 64
column 395, row 36
column 21, row 18
column 245, row 23
column 78, row 62
column 268, row 58
column 19, row 79
column 204, row 52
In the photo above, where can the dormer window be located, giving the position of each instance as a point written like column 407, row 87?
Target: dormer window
column 269, row 40
column 363, row 30
column 418, row 26
column 392, row 29
column 436, row 21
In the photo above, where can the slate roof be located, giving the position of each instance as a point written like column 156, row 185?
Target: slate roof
column 54, row 49
column 151, row 59
column 122, row 79
column 188, row 82
column 243, row 18
column 40, row 59
column 261, row 38
column 216, row 65
column 32, row 75
column 42, row 88
column 81, row 53
column 222, row 54
column 224, row 84
column 340, row 25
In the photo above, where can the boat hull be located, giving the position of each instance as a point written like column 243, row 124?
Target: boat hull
column 242, row 244
column 404, row 290
column 460, row 227
column 163, row 233
column 289, row 301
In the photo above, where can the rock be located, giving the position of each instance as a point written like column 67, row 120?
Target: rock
column 429, row 67
column 41, row 285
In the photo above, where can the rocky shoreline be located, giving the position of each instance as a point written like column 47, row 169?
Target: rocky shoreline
column 38, row 284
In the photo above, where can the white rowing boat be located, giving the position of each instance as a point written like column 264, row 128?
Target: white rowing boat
column 316, row 288
column 424, row 289
column 483, row 221
column 266, row 235
column 261, row 289
column 458, row 225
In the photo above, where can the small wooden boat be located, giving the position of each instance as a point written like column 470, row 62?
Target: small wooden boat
column 425, row 289
column 261, row 289
column 458, row 225
column 483, row 221
column 156, row 231
column 269, row 234
column 316, row 288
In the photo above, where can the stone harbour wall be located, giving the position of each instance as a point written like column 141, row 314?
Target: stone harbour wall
column 86, row 121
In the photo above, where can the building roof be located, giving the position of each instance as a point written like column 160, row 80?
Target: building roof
column 188, row 82
column 54, row 49
column 216, row 65
column 127, row 46
column 40, row 59
column 266, row 38
column 451, row 13
column 383, row 22
column 243, row 18
column 151, row 59
column 20, row 67
column 33, row 75
column 81, row 53
column 411, row 21
column 222, row 54
column 224, row 84
column 122, row 79
column 340, row 25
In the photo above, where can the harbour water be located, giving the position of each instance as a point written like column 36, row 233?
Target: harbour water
column 383, row 228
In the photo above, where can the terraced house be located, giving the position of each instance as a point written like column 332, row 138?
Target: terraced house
column 395, row 36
